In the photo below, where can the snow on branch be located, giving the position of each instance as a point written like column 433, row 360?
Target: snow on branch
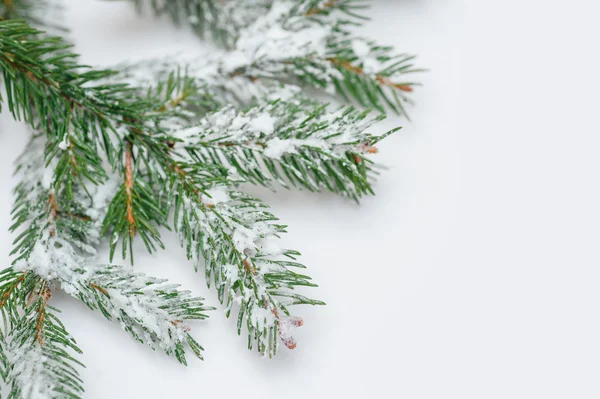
column 221, row 20
column 307, row 40
column 152, row 310
column 303, row 144
column 38, row 353
column 59, row 247
column 42, row 14
column 237, row 239
column 118, row 151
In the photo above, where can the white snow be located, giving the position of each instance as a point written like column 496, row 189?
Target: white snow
column 48, row 176
column 276, row 148
column 30, row 370
column 263, row 123
column 216, row 195
column 64, row 144
column 360, row 48
column 231, row 273
column 372, row 65
column 234, row 60
column 262, row 318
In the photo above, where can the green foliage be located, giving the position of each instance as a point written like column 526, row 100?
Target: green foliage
column 43, row 14
column 325, row 150
column 231, row 237
column 134, row 211
column 151, row 310
column 56, row 248
column 43, row 78
column 38, row 209
column 377, row 91
column 178, row 95
column 373, row 77
column 15, row 291
column 218, row 20
column 38, row 353
column 113, row 161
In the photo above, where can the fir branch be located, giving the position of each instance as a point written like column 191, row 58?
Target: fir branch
column 151, row 310
column 82, row 112
column 302, row 144
column 43, row 79
column 37, row 207
column 309, row 41
column 210, row 230
column 16, row 288
column 237, row 238
column 179, row 146
column 42, row 14
column 370, row 73
column 179, row 97
column 357, row 68
column 222, row 21
column 59, row 245
column 38, row 354
column 207, row 86
column 134, row 210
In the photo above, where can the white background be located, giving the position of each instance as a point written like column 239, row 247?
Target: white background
column 474, row 271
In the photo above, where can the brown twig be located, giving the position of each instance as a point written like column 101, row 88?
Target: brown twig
column 71, row 147
column 317, row 9
column 248, row 267
column 179, row 323
column 53, row 214
column 97, row 287
column 39, row 335
column 383, row 80
column 6, row 295
column 128, row 188
column 174, row 102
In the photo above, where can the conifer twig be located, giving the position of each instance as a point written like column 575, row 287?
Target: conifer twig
column 118, row 155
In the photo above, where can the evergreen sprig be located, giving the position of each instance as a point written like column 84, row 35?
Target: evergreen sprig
column 151, row 310
column 237, row 239
column 308, row 40
column 121, row 154
column 69, row 102
column 38, row 353
column 42, row 14
column 221, row 21
column 57, row 248
column 302, row 144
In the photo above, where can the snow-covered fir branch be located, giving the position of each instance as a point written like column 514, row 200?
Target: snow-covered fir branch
column 237, row 239
column 118, row 155
column 134, row 211
column 288, row 141
column 46, row 15
column 206, row 87
column 72, row 104
column 152, row 310
column 306, row 40
column 38, row 354
column 300, row 143
column 58, row 248
column 209, row 230
column 220, row 20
